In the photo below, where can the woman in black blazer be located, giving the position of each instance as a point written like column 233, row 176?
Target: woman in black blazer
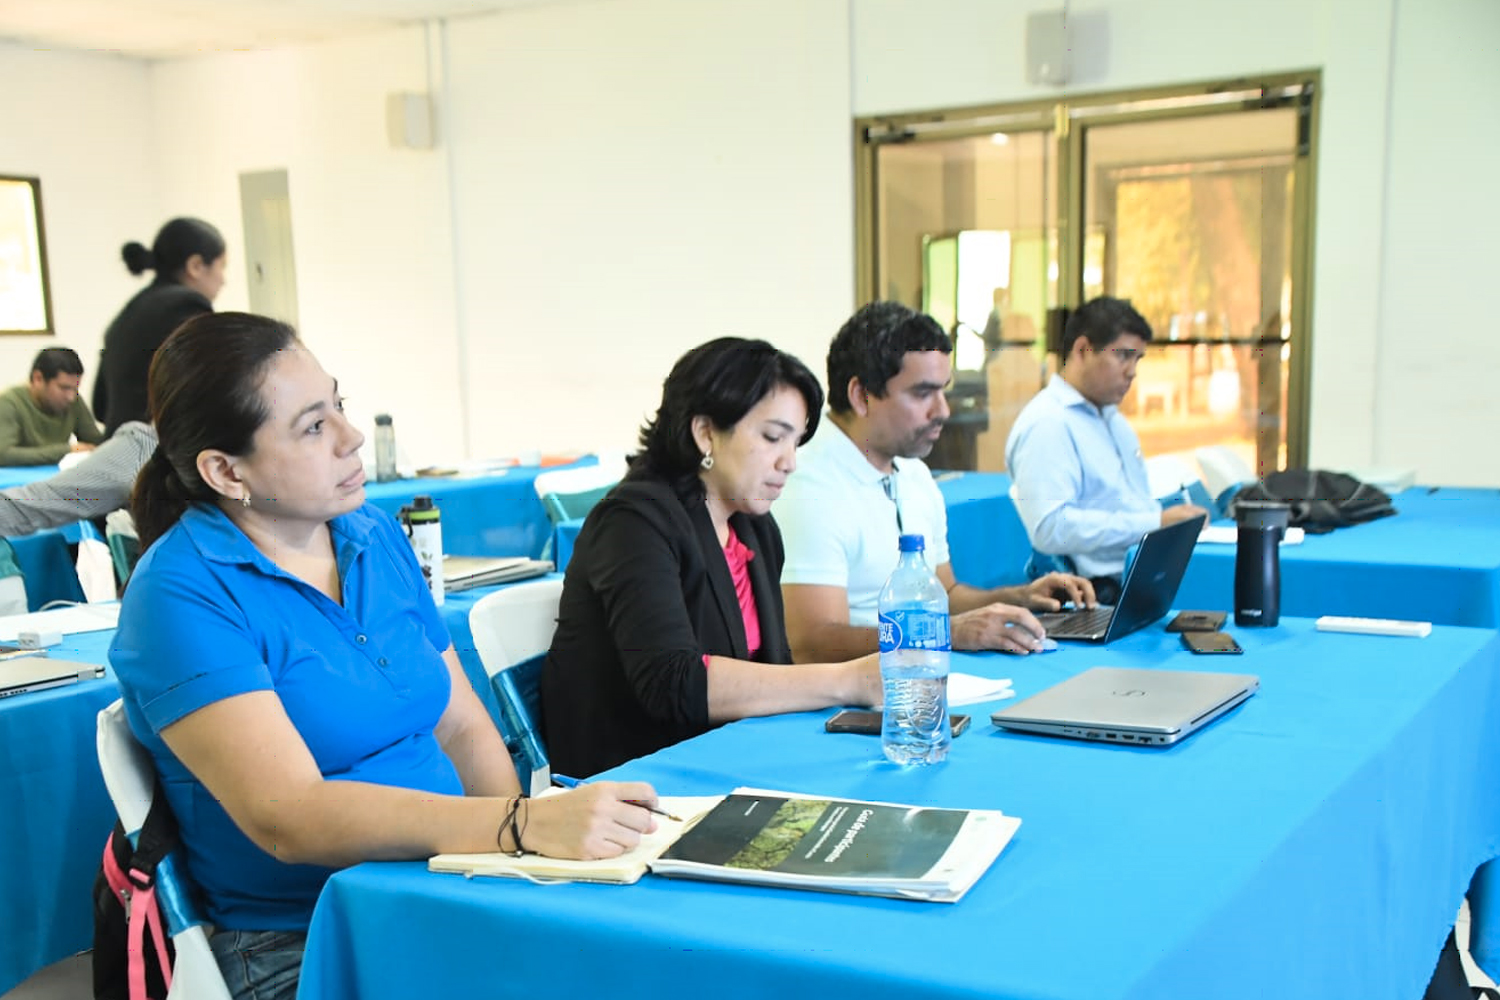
column 671, row 619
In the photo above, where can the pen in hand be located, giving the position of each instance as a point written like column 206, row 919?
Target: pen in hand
column 563, row 781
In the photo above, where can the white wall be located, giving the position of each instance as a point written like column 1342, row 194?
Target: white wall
column 630, row 177
column 82, row 123
column 370, row 223
column 1438, row 352
column 635, row 178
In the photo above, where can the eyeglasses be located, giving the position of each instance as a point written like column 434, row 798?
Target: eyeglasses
column 1126, row 355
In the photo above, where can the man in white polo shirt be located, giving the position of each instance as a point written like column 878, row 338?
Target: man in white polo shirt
column 861, row 482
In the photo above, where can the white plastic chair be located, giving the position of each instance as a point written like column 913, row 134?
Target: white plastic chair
column 1168, row 475
column 1222, row 468
column 130, row 777
column 512, row 631
column 569, row 493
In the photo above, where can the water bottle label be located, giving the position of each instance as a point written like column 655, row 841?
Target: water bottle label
column 913, row 629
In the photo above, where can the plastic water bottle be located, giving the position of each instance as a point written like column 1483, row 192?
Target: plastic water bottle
column 423, row 523
column 385, row 449
column 914, row 646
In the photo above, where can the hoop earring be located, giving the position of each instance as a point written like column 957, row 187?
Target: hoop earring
column 707, row 463
column 245, row 500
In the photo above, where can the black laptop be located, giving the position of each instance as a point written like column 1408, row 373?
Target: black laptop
column 1146, row 594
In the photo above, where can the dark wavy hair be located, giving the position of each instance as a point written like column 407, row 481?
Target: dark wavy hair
column 1103, row 320
column 721, row 380
column 175, row 244
column 872, row 346
column 205, row 391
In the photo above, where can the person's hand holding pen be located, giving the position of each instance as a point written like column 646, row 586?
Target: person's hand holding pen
column 600, row 819
column 563, row 781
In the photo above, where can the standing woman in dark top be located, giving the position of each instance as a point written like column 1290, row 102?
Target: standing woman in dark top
column 188, row 258
column 671, row 619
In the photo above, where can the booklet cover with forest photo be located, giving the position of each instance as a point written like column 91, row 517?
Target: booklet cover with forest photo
column 840, row 845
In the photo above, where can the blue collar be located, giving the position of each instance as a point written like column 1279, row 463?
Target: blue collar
column 217, row 538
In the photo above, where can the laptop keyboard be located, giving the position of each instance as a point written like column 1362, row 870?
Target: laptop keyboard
column 1077, row 624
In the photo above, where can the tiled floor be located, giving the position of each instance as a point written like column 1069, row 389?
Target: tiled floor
column 70, row 979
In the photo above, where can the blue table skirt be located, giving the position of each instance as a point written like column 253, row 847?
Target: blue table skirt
column 987, row 542
column 56, row 818
column 1315, row 842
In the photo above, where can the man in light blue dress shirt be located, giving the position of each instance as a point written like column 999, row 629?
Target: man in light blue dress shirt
column 1080, row 479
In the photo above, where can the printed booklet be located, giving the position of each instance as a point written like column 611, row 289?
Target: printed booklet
column 793, row 841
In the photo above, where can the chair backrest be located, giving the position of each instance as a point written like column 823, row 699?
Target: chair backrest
column 512, row 630
column 572, row 493
column 1222, row 468
column 124, row 543
column 130, row 777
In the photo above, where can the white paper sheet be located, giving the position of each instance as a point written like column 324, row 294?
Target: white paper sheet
column 1228, row 534
column 971, row 689
column 68, row 621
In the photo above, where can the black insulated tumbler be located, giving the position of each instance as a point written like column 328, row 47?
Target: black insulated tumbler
column 1257, row 562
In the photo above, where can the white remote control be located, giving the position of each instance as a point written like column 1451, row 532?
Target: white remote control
column 1374, row 626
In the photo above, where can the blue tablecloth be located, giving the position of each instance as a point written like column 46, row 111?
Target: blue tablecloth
column 497, row 514
column 1437, row 560
column 1315, row 842
column 20, row 475
column 57, row 815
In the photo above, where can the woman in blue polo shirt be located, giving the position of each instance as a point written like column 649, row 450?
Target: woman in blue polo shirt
column 283, row 661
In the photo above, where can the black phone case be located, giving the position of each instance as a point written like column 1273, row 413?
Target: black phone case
column 868, row 723
column 1197, row 621
column 1211, row 642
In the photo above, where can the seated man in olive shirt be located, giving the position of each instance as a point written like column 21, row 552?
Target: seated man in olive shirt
column 40, row 419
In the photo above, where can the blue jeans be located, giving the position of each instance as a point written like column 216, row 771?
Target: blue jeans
column 260, row 965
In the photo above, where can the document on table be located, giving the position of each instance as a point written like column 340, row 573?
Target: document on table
column 69, row 621
column 971, row 689
column 1228, row 534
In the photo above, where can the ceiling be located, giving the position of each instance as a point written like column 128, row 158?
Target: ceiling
column 164, row 29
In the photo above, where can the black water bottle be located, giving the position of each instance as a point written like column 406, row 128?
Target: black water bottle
column 1257, row 562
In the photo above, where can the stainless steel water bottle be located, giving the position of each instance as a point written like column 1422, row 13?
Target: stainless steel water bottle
column 1257, row 562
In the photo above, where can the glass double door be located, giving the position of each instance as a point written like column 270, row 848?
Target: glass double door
column 1189, row 205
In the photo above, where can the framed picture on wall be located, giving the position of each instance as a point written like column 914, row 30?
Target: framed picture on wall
column 25, row 299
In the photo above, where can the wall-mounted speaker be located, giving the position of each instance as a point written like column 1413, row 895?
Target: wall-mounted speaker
column 409, row 121
column 1047, row 47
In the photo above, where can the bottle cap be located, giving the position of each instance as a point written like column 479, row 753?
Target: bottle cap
column 421, row 502
column 382, row 420
column 913, row 543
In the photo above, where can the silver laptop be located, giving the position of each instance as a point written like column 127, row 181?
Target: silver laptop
column 1146, row 593
column 467, row 572
column 37, row 673
column 1130, row 706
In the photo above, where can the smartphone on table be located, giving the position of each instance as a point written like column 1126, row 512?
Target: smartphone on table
column 867, row 721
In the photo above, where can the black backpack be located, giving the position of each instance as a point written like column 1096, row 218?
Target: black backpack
column 1320, row 501
column 133, row 951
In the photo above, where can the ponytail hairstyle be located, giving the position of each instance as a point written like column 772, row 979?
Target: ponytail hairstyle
column 175, row 244
column 205, row 391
